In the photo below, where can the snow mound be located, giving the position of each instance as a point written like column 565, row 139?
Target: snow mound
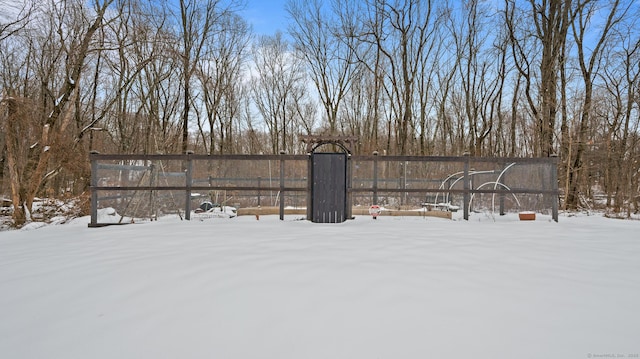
column 397, row 287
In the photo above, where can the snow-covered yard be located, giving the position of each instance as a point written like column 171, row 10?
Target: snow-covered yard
column 396, row 287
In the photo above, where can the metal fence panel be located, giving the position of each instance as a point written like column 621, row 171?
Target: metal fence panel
column 148, row 186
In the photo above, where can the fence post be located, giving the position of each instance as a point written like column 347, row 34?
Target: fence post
column 259, row 192
column 375, row 177
column 502, row 193
column 309, row 186
column 188, row 179
column 466, row 195
column 282, row 185
column 152, row 194
column 93, row 184
column 349, row 194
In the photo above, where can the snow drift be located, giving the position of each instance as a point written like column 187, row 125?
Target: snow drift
column 398, row 287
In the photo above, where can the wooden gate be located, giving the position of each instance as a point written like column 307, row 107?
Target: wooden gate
column 329, row 187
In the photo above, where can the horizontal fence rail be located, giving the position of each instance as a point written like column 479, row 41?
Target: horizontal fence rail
column 147, row 186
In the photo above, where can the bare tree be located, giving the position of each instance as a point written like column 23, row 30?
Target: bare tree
column 366, row 92
column 68, row 35
column 328, row 52
column 221, row 69
column 444, row 137
column 355, row 111
column 589, row 64
column 478, row 79
column 627, row 167
column 550, row 20
column 197, row 20
column 278, row 80
column 157, row 78
column 15, row 16
column 401, row 32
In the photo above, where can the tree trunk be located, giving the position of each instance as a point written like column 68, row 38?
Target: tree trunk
column 15, row 172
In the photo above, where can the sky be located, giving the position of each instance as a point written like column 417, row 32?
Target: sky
column 266, row 17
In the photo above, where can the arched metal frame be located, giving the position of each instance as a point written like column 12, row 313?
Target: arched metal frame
column 313, row 142
column 323, row 143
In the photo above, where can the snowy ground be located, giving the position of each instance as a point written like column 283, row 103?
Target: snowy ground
column 397, row 287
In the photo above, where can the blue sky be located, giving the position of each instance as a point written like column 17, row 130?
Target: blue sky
column 266, row 17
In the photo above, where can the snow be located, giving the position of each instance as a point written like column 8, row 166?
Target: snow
column 397, row 287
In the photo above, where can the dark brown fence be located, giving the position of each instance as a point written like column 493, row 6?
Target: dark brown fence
column 149, row 186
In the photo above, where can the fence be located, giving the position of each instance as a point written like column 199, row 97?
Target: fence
column 149, row 186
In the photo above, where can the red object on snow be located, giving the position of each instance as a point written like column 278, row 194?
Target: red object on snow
column 374, row 211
